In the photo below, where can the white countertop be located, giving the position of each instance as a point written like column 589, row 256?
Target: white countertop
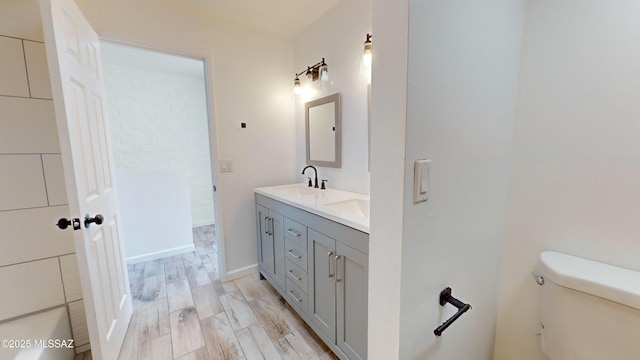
column 344, row 207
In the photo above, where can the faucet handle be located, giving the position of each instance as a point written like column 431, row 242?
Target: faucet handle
column 310, row 183
column 323, row 187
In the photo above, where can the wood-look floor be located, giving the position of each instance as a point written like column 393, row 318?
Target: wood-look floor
column 182, row 311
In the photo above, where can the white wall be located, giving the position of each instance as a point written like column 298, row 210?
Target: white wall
column 388, row 128
column 252, row 83
column 337, row 36
column 158, row 121
column 160, row 197
column 38, row 268
column 576, row 164
column 462, row 87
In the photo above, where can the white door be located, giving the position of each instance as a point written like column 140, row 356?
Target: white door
column 73, row 53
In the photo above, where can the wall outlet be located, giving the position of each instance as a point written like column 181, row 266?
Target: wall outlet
column 226, row 166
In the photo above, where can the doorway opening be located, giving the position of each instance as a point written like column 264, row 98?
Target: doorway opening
column 161, row 149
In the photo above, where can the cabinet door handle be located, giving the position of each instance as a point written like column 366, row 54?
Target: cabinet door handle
column 268, row 221
column 329, row 263
column 294, row 255
column 290, row 231
column 337, row 277
column 294, row 275
column 294, row 296
column 266, row 225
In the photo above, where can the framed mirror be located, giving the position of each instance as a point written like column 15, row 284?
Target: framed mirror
column 323, row 123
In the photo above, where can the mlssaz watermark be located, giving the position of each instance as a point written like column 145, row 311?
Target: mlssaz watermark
column 36, row 343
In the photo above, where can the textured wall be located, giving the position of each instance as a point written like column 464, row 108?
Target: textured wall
column 158, row 121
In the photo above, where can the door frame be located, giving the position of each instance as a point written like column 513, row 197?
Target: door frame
column 207, row 59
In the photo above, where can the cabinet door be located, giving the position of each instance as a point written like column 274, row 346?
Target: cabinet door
column 277, row 230
column 322, row 286
column 352, row 269
column 265, row 240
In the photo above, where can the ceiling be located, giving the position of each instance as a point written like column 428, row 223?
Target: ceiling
column 284, row 17
column 148, row 60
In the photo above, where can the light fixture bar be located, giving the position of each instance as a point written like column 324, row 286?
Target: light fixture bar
column 314, row 72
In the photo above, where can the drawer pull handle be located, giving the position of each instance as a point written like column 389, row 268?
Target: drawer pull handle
column 290, row 231
column 294, row 275
column 294, row 255
column 294, row 296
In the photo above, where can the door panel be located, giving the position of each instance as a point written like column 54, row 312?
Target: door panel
column 352, row 275
column 113, row 231
column 102, row 142
column 322, row 287
column 73, row 54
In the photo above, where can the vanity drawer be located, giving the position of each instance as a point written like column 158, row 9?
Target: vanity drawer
column 294, row 253
column 296, row 232
column 297, row 275
column 296, row 296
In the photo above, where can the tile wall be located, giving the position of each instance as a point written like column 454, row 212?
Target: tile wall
column 38, row 268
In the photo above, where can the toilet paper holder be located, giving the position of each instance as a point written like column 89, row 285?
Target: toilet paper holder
column 446, row 297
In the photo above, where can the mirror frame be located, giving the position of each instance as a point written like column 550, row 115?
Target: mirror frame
column 335, row 98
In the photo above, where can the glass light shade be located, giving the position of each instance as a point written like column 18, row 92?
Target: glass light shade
column 366, row 57
column 324, row 73
column 297, row 89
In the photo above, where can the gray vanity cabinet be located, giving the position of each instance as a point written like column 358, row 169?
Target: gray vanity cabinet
column 321, row 268
column 271, row 244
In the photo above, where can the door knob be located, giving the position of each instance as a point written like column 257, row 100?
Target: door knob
column 88, row 220
column 64, row 223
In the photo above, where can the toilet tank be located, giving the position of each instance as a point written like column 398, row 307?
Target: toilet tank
column 588, row 310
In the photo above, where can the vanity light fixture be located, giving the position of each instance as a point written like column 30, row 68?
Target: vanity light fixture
column 366, row 57
column 318, row 71
column 297, row 90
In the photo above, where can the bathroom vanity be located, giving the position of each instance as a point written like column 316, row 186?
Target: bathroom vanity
column 313, row 248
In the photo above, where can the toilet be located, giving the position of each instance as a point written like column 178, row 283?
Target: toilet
column 588, row 310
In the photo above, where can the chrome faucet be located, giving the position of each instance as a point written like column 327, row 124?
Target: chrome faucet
column 315, row 171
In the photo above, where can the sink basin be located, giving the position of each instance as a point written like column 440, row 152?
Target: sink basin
column 296, row 191
column 358, row 207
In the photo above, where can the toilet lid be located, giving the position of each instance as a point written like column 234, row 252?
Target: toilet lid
column 592, row 277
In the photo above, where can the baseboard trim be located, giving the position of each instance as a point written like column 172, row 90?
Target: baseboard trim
column 161, row 254
column 238, row 273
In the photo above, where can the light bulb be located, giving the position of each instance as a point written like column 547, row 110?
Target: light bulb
column 324, row 73
column 297, row 89
column 366, row 57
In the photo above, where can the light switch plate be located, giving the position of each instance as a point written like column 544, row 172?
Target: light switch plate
column 421, row 172
column 226, row 166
